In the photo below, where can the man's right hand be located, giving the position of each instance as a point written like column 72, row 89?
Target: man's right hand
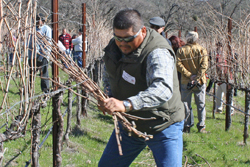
column 192, row 78
column 111, row 105
column 40, row 58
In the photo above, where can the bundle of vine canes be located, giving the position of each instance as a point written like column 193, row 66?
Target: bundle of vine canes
column 66, row 63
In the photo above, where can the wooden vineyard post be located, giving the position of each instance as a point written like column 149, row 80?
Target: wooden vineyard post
column 247, row 107
column 195, row 29
column 84, row 101
column 229, row 94
column 56, row 102
column 179, row 33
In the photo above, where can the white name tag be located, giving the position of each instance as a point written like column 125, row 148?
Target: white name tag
column 67, row 40
column 128, row 77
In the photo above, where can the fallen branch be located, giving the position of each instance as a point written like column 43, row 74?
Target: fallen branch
column 203, row 159
column 186, row 161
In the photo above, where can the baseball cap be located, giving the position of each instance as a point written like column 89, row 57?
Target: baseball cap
column 157, row 21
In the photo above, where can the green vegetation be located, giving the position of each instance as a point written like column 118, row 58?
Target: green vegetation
column 219, row 148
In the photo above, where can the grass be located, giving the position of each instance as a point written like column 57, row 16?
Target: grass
column 219, row 148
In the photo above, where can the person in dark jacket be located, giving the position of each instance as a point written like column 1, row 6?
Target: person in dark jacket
column 142, row 76
column 158, row 24
column 176, row 44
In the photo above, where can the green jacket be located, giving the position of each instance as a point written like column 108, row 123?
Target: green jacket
column 135, row 64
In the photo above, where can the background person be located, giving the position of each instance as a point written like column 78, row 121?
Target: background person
column 211, row 80
column 222, row 72
column 176, row 44
column 42, row 51
column 77, row 54
column 66, row 40
column 142, row 75
column 158, row 24
column 192, row 64
column 74, row 36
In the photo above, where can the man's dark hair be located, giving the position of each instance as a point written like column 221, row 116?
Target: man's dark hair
column 41, row 16
column 74, row 36
column 127, row 18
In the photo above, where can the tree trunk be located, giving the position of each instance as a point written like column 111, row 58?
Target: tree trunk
column 70, row 93
column 84, row 104
column 79, row 107
column 36, row 129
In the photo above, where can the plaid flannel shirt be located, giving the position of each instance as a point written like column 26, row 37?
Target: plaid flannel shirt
column 66, row 41
column 159, row 76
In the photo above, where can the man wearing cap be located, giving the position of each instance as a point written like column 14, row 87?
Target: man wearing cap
column 158, row 24
column 42, row 51
column 192, row 63
column 77, row 54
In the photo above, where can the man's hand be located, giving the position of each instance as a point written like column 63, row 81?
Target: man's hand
column 111, row 105
column 40, row 58
column 192, row 78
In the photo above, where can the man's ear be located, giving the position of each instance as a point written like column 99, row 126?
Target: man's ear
column 144, row 31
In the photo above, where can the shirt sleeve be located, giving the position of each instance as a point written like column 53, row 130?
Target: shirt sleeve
column 159, row 76
column 203, row 63
column 48, row 33
column 42, row 48
column 76, row 41
column 180, row 66
column 70, row 42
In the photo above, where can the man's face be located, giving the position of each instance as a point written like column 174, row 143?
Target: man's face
column 128, row 47
column 39, row 23
column 64, row 32
column 157, row 28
